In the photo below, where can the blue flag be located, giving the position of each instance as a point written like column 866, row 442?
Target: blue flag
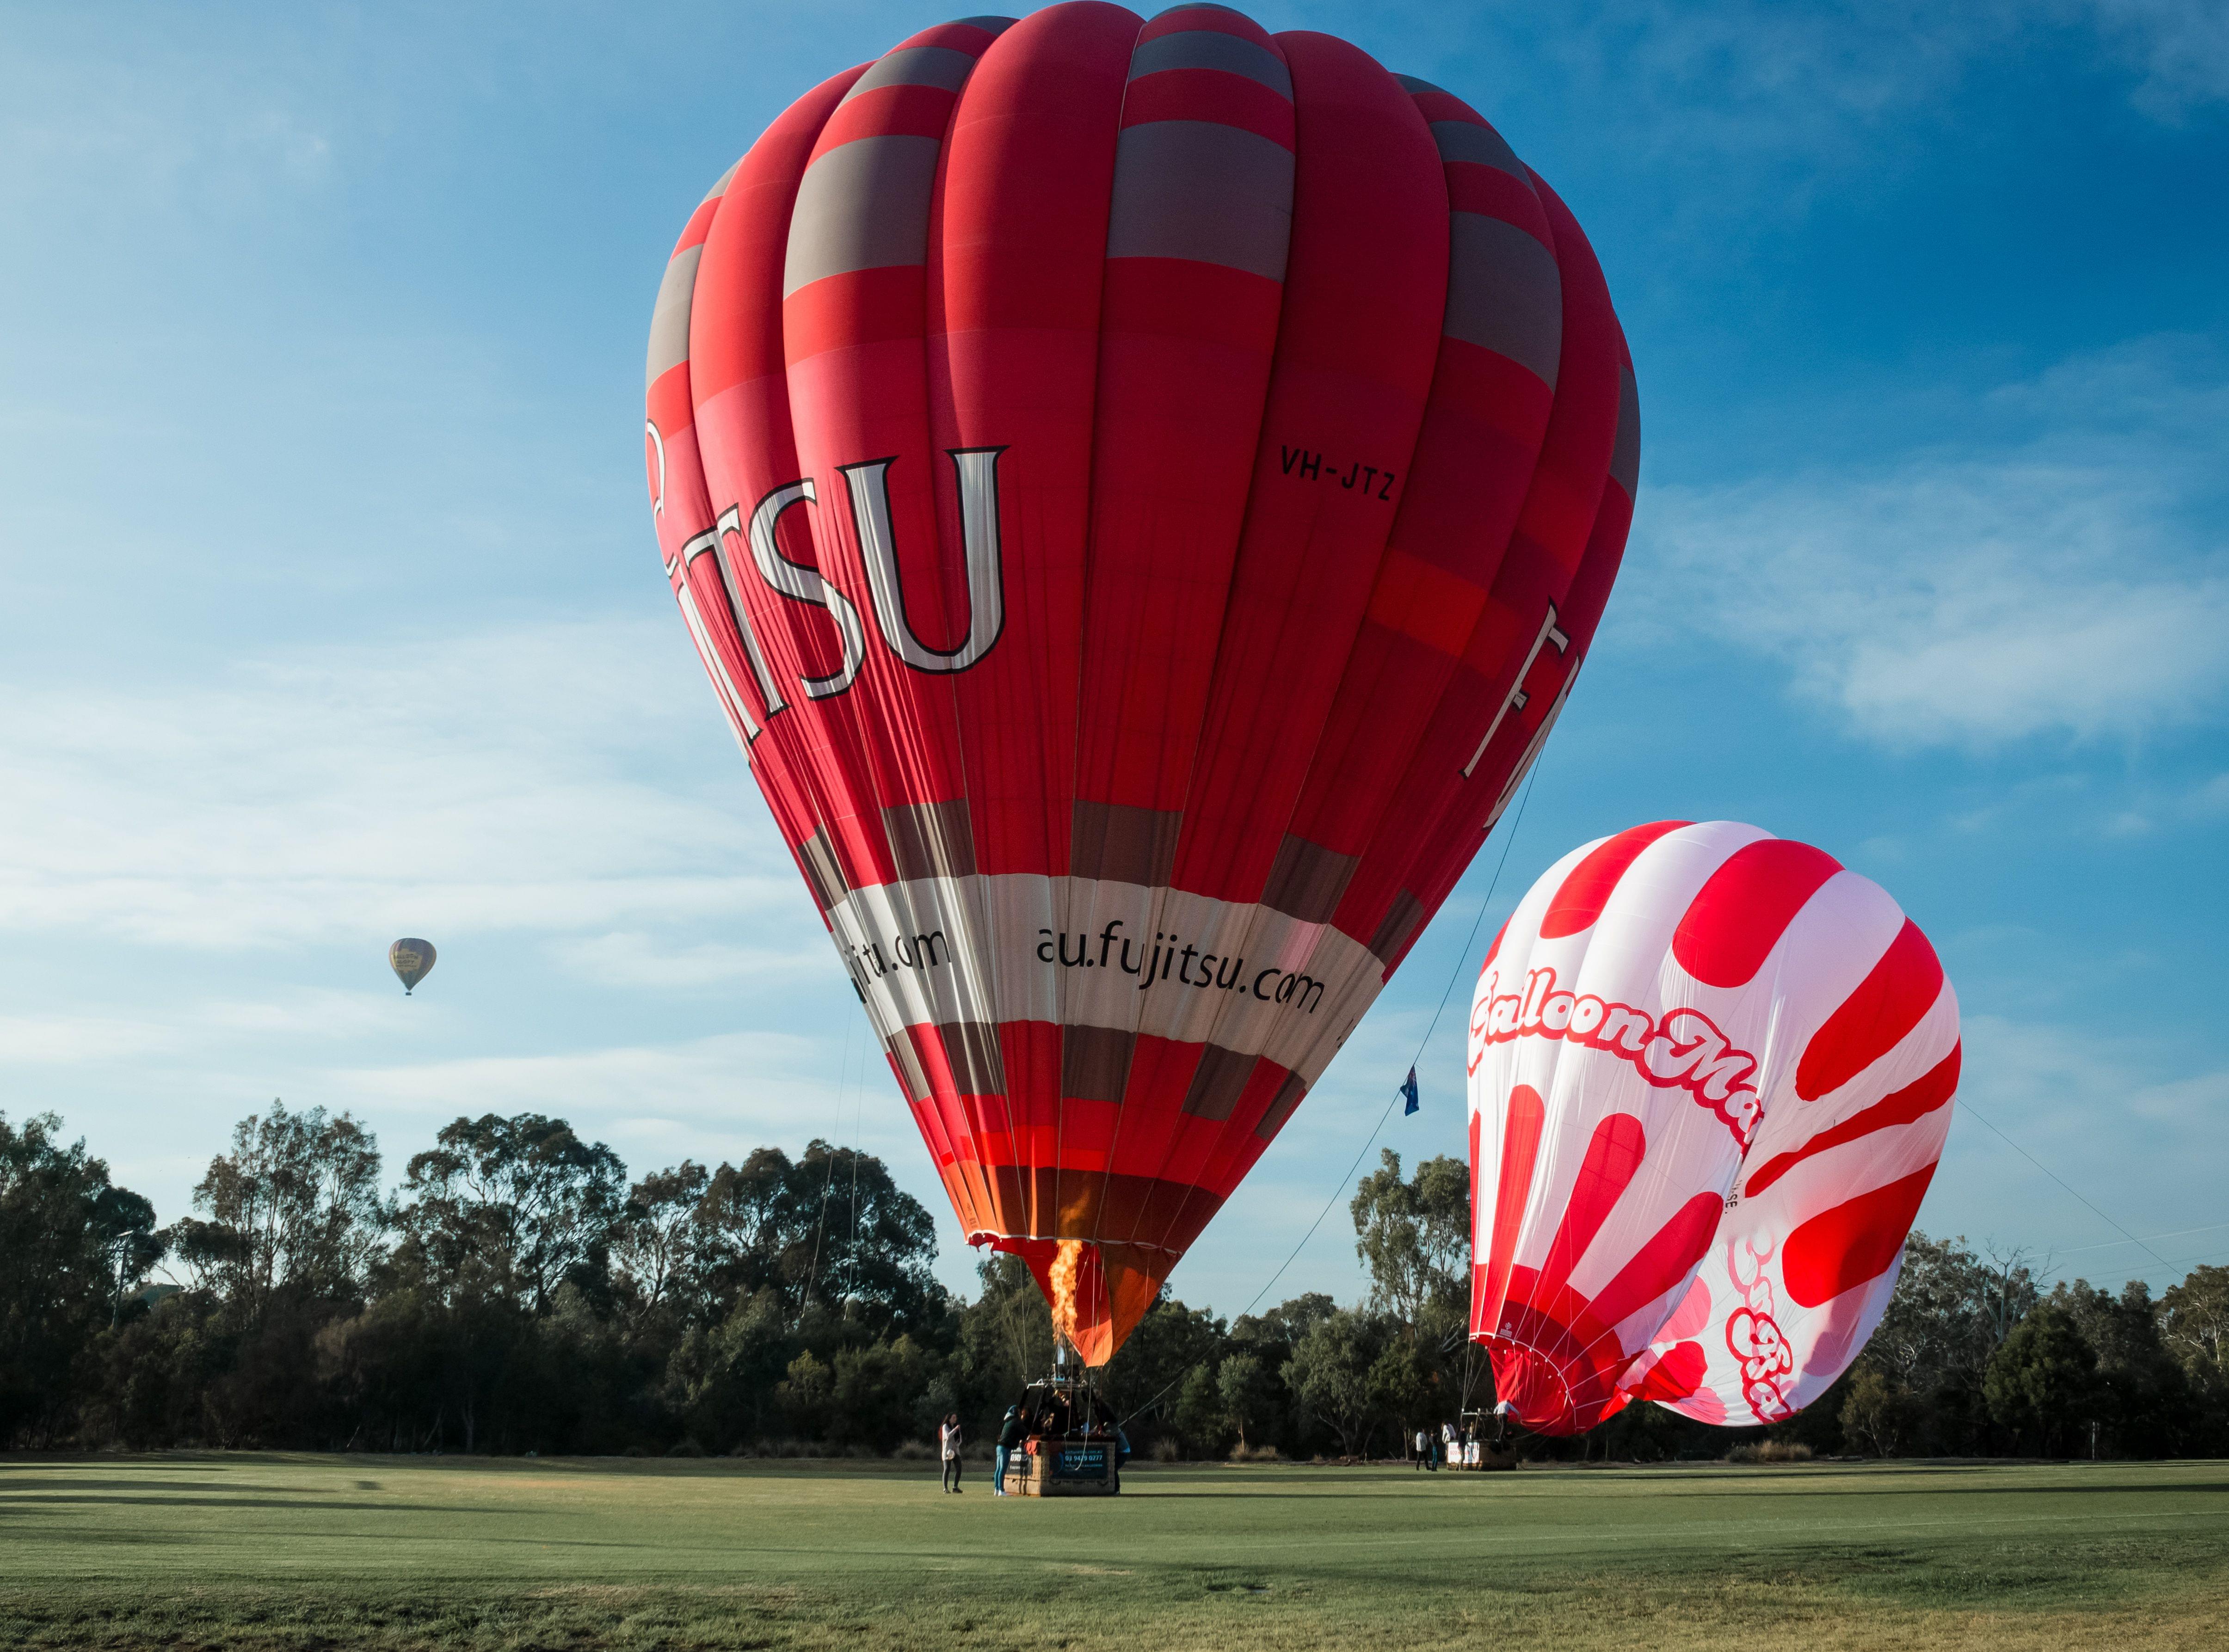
column 1409, row 1090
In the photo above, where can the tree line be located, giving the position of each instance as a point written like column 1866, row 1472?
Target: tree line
column 518, row 1291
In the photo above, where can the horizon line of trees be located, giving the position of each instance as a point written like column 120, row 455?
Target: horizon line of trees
column 519, row 1292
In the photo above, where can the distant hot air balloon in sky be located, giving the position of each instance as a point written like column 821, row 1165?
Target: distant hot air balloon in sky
column 412, row 960
column 1711, row 1075
column 1141, row 492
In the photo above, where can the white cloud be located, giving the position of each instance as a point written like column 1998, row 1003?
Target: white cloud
column 2060, row 581
column 66, row 1040
column 2181, row 47
column 552, row 779
column 633, row 959
column 199, row 1028
column 712, row 1096
column 701, row 1077
column 1778, row 101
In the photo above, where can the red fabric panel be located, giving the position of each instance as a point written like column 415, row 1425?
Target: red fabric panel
column 856, row 346
column 742, row 398
column 1587, row 889
column 1521, row 1151
column 1216, row 18
column 1015, row 264
column 1739, row 915
column 1670, row 1255
column 1436, row 872
column 1364, row 292
column 1915, row 1101
column 1613, row 1159
column 1186, row 350
column 1491, row 192
column 888, row 111
column 1853, row 1242
column 1873, row 1021
column 1676, row 1376
column 1246, row 104
column 1437, row 825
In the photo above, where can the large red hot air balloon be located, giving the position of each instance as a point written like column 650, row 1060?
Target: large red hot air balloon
column 1711, row 1074
column 1142, row 492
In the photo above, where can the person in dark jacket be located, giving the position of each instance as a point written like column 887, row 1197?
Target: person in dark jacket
column 1010, row 1440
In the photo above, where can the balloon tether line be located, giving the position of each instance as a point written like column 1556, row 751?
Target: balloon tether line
column 820, row 1221
column 1461, row 958
column 1968, row 1107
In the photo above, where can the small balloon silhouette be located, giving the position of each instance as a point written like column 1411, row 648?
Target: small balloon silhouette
column 412, row 960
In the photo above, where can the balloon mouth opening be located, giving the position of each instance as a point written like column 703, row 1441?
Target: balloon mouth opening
column 1545, row 1393
column 1098, row 1291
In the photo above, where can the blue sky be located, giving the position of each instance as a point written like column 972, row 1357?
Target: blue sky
column 330, row 610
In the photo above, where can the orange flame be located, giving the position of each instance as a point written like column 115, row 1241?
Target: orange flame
column 1061, row 1277
column 1096, row 1290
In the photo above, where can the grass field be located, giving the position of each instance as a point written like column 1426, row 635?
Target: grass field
column 307, row 1552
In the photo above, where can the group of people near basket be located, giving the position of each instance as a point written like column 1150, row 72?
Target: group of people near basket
column 1054, row 1416
column 1050, row 1417
column 1457, row 1443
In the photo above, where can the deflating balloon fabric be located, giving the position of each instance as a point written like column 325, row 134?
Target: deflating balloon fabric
column 1711, row 1075
column 1141, row 492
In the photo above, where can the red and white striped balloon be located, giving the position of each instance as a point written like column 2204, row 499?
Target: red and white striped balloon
column 1142, row 491
column 1711, row 1074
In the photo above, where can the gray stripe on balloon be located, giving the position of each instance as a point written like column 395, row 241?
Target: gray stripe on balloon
column 1201, row 190
column 1625, row 454
column 1210, row 49
column 669, row 322
column 1505, row 293
column 862, row 206
column 1307, row 880
column 936, row 65
column 1460, row 140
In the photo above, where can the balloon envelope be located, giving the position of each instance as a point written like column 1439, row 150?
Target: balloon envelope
column 412, row 960
column 1141, row 492
column 1711, row 1075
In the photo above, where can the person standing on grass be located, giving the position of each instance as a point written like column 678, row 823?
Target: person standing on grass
column 949, row 1442
column 1421, row 1448
column 1010, row 1437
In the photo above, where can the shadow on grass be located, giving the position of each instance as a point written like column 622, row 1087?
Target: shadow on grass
column 304, row 1504
column 15, row 1490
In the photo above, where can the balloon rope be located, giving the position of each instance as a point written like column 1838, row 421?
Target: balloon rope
column 1968, row 1107
column 859, row 1130
column 820, row 1222
column 1461, row 958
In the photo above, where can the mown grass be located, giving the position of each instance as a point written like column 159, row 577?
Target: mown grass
column 268, row 1552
